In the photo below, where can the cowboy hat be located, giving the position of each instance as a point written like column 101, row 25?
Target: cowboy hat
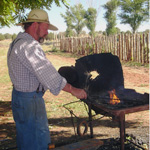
column 38, row 15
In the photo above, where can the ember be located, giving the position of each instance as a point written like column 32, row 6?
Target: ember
column 113, row 97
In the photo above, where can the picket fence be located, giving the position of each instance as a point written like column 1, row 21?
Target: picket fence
column 128, row 47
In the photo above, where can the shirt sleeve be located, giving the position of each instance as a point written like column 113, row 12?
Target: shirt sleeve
column 33, row 57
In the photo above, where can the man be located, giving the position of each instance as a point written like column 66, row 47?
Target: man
column 32, row 74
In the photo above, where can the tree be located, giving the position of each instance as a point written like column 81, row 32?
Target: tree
column 146, row 31
column 90, row 21
column 118, row 30
column 74, row 19
column 68, row 19
column 78, row 18
column 12, row 10
column 50, row 36
column 110, row 16
column 128, row 32
column 134, row 12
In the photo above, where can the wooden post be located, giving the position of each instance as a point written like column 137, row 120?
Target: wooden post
column 140, row 48
column 136, row 47
column 119, row 49
column 143, row 48
column 147, row 38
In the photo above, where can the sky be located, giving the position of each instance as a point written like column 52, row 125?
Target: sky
column 56, row 19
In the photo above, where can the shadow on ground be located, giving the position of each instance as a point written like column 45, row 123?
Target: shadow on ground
column 65, row 132
column 5, row 106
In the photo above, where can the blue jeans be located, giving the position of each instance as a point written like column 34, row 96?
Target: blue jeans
column 31, row 120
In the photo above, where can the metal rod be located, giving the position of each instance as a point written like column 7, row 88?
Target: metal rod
column 70, row 103
column 73, row 126
column 90, row 120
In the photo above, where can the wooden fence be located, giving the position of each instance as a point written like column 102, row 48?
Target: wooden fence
column 128, row 47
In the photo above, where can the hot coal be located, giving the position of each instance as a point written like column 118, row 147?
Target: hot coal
column 128, row 98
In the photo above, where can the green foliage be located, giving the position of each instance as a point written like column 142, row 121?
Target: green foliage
column 54, row 49
column 90, row 22
column 68, row 20
column 7, row 8
column 128, row 32
column 134, row 12
column 2, row 37
column 7, row 36
column 50, row 36
column 14, row 36
column 110, row 16
column 104, row 33
column 147, row 31
column 78, row 14
column 118, row 30
column 12, row 10
column 74, row 18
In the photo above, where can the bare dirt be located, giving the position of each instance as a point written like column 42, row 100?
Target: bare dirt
column 60, row 123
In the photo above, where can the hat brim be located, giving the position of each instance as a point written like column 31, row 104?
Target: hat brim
column 51, row 27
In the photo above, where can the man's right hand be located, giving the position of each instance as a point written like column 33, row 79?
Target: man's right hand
column 78, row 93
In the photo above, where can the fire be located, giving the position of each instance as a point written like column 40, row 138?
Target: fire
column 113, row 97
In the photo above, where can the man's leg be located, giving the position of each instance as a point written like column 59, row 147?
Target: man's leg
column 31, row 122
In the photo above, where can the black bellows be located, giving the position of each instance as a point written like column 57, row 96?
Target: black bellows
column 108, row 67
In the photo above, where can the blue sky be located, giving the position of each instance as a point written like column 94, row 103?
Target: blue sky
column 56, row 19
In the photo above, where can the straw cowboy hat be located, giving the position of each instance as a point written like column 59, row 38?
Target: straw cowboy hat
column 38, row 15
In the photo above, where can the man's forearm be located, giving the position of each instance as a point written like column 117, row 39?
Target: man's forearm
column 67, row 88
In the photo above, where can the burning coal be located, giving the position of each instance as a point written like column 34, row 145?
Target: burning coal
column 113, row 97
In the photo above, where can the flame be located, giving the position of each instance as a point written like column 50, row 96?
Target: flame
column 113, row 97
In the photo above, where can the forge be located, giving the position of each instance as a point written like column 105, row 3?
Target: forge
column 105, row 88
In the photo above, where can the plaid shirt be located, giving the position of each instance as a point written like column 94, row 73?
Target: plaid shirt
column 28, row 67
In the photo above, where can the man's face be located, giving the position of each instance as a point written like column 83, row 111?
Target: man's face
column 42, row 31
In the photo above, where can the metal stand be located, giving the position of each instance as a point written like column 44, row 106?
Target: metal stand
column 122, row 129
column 119, row 116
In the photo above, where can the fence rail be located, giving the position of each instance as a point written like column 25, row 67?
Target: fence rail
column 128, row 47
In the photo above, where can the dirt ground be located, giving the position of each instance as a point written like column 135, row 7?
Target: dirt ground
column 60, row 124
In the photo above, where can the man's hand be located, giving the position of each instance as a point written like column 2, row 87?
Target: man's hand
column 78, row 93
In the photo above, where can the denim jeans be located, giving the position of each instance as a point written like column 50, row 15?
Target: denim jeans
column 31, row 120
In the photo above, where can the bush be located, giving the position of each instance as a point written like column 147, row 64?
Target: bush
column 7, row 36
column 14, row 36
column 2, row 37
